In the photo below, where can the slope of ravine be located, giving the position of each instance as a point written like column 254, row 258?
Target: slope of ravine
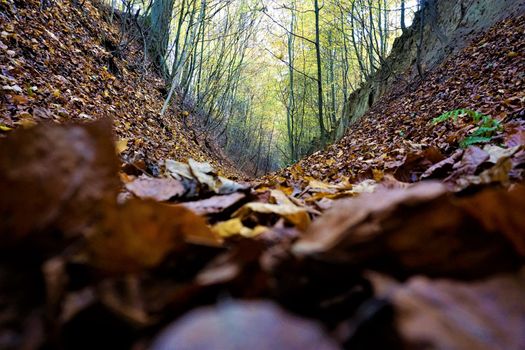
column 66, row 62
column 487, row 77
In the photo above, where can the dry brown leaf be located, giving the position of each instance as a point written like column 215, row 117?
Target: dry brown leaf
column 445, row 314
column 56, row 177
column 501, row 211
column 293, row 214
column 215, row 204
column 140, row 234
column 158, row 189
column 421, row 229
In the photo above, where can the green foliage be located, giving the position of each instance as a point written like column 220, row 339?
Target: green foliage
column 482, row 134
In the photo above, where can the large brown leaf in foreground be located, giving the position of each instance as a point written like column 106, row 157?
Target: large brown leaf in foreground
column 254, row 325
column 422, row 229
column 55, row 177
column 140, row 234
column 444, row 314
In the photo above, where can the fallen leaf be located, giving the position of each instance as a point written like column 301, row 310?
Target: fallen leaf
column 442, row 168
column 20, row 100
column 5, row 128
column 421, row 229
column 447, row 314
column 293, row 214
column 501, row 211
column 140, row 234
column 251, row 325
column 178, row 170
column 158, row 189
column 215, row 204
column 121, row 145
column 205, row 174
column 61, row 175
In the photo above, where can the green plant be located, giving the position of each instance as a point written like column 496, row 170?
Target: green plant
column 482, row 134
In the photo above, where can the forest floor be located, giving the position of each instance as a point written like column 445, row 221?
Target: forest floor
column 408, row 233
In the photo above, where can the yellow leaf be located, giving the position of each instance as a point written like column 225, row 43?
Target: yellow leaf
column 280, row 197
column 293, row 214
column 378, row 175
column 256, row 231
column 26, row 123
column 5, row 128
column 318, row 186
column 228, row 228
column 121, row 145
column 235, row 227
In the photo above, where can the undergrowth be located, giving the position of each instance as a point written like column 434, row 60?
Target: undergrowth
column 485, row 131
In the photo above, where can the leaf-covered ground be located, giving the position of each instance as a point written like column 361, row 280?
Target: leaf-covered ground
column 67, row 63
column 395, row 237
column 487, row 77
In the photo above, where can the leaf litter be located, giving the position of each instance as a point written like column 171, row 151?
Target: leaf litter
column 355, row 252
column 139, row 250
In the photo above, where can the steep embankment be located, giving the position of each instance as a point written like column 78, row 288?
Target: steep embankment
column 488, row 77
column 68, row 63
column 448, row 26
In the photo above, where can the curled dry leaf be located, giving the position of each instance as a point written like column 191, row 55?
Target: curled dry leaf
column 418, row 230
column 205, row 174
column 442, row 168
column 140, row 234
column 56, row 177
column 295, row 215
column 445, row 314
column 235, row 226
column 416, row 163
column 178, row 170
column 499, row 173
column 158, row 189
column 501, row 211
column 472, row 158
column 496, row 153
column 215, row 204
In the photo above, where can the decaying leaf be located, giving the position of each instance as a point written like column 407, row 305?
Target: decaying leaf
column 445, row 314
column 158, row 189
column 121, row 145
column 139, row 235
column 56, row 177
column 205, row 174
column 178, row 170
column 215, row 204
column 295, row 215
column 234, row 227
column 418, row 230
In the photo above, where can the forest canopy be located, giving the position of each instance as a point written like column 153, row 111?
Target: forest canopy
column 269, row 79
